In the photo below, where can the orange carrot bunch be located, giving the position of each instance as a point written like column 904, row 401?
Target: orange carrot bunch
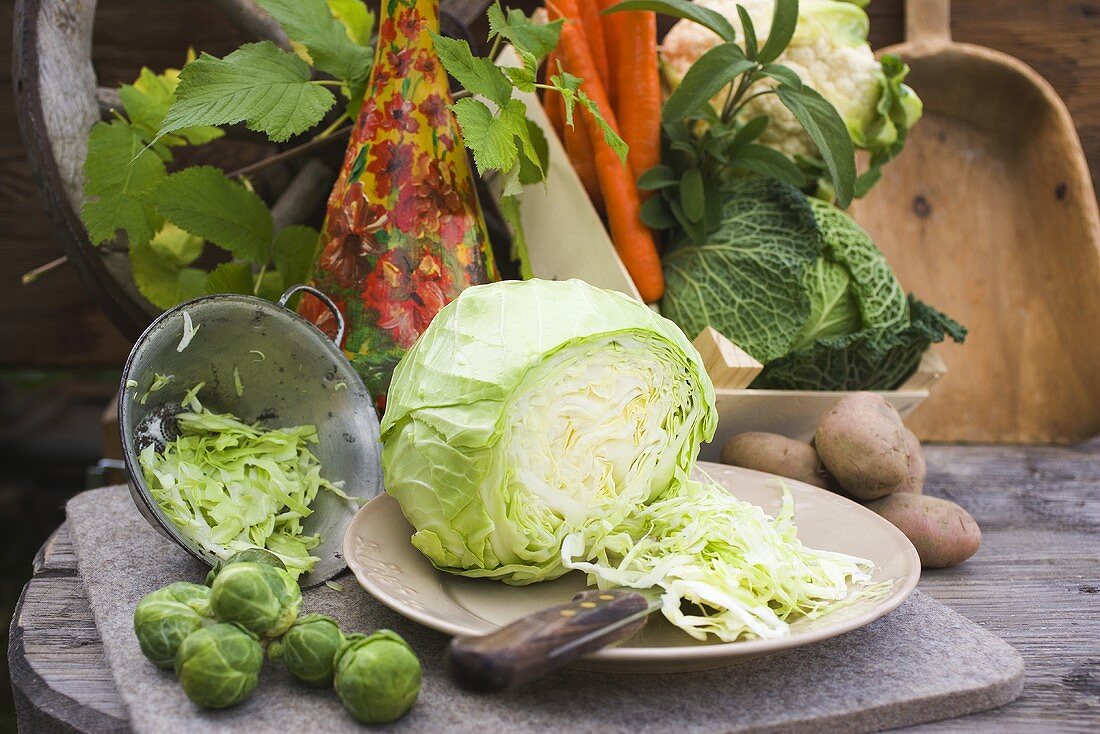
column 616, row 56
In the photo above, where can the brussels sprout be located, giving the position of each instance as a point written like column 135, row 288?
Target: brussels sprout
column 248, row 555
column 377, row 677
column 161, row 626
column 219, row 666
column 309, row 648
column 195, row 596
column 260, row 598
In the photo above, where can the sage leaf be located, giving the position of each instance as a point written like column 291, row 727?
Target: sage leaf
column 828, row 131
column 711, row 73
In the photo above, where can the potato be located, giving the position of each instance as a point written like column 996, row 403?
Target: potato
column 942, row 532
column 917, row 468
column 862, row 443
column 777, row 454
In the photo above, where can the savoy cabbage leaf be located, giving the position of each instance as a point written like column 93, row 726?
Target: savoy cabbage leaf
column 746, row 281
column 851, row 287
column 867, row 360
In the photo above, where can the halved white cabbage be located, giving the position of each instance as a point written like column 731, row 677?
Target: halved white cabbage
column 528, row 408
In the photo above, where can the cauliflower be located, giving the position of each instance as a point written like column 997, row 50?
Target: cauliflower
column 829, row 52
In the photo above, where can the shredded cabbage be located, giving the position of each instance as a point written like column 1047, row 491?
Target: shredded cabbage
column 231, row 486
column 189, row 331
column 158, row 383
column 740, row 572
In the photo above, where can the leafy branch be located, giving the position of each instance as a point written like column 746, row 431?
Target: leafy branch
column 168, row 219
column 705, row 146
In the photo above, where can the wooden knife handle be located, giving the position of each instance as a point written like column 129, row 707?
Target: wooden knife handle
column 538, row 643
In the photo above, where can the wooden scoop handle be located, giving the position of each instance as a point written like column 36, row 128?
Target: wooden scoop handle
column 928, row 21
column 538, row 643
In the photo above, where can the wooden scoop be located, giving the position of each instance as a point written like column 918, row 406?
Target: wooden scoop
column 990, row 215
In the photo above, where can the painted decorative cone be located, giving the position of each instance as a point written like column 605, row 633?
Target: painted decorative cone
column 404, row 233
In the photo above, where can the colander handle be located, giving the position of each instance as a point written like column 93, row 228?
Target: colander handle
column 323, row 299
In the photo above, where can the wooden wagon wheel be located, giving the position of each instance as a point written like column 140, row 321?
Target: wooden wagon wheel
column 57, row 103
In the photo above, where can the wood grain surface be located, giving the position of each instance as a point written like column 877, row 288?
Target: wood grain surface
column 57, row 323
column 1008, row 242
column 1035, row 583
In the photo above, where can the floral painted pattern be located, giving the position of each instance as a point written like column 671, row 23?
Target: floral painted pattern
column 404, row 233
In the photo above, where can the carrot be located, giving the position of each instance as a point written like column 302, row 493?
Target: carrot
column 552, row 101
column 610, row 25
column 633, row 240
column 639, row 103
column 593, row 33
column 578, row 145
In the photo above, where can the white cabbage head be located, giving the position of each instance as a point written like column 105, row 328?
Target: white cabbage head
column 526, row 411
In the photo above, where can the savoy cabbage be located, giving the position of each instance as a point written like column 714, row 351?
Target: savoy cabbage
column 797, row 284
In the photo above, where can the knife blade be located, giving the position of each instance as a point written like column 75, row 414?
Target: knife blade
column 534, row 645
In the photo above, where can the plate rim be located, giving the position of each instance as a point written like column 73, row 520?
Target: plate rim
column 710, row 651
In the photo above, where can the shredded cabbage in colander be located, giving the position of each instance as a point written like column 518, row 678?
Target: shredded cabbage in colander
column 231, row 486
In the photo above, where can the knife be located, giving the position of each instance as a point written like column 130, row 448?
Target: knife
column 534, row 645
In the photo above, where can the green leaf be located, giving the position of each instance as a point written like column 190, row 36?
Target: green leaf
column 356, row 17
column 655, row 215
column 234, row 277
column 609, row 135
column 119, row 169
column 477, row 75
column 829, row 133
column 711, row 73
column 750, row 131
column 681, row 9
column 750, row 32
column 258, row 84
column 510, row 185
column 176, row 245
column 514, row 115
column 867, row 181
column 784, row 20
column 163, row 282
column 311, row 23
column 270, row 285
column 523, row 33
column 568, row 86
column 523, row 77
column 204, row 202
column 783, row 74
column 510, row 211
column 490, row 138
column 533, row 170
column 294, row 253
column 146, row 102
column 658, row 177
column 768, row 162
column 692, row 197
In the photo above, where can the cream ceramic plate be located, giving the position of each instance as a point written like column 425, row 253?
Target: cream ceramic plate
column 378, row 551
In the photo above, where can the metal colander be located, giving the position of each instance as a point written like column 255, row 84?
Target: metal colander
column 290, row 374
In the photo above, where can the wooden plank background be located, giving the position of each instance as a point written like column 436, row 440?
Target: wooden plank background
column 53, row 323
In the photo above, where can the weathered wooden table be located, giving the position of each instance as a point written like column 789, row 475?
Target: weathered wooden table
column 1035, row 582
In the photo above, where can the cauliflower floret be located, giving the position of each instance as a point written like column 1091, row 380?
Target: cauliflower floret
column 829, row 53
